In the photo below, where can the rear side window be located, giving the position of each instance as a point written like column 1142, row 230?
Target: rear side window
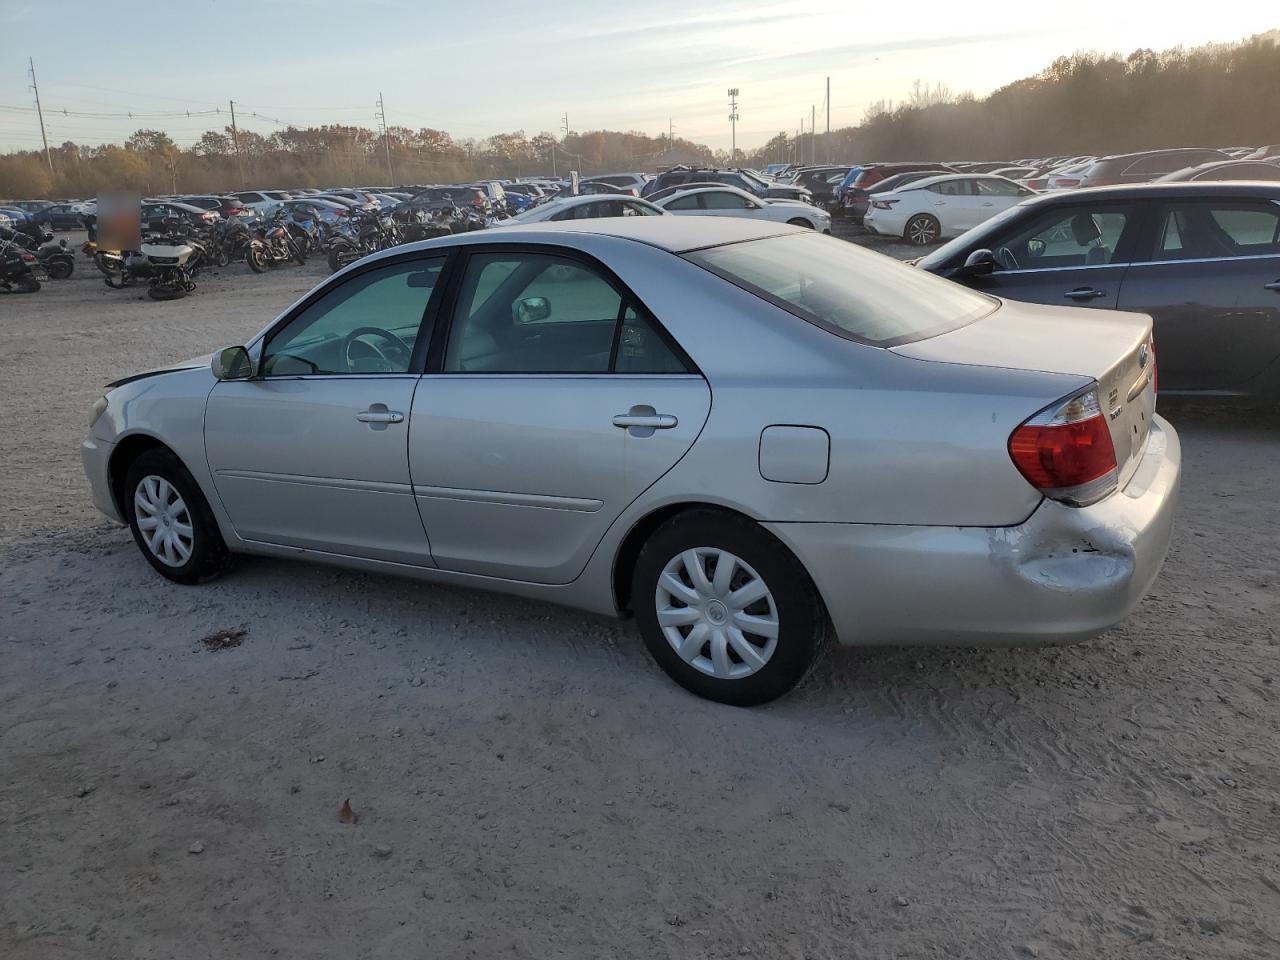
column 1206, row 231
column 844, row 289
column 953, row 188
column 541, row 313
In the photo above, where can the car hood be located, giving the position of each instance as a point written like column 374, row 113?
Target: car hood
column 191, row 364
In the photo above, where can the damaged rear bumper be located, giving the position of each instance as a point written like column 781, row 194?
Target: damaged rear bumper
column 1065, row 574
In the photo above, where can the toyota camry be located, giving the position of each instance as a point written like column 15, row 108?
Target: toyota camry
column 749, row 436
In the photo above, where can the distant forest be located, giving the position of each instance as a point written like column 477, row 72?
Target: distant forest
column 1215, row 95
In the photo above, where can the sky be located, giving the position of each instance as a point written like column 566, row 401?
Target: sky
column 493, row 66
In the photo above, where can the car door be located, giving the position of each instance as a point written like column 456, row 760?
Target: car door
column 688, row 205
column 556, row 400
column 1074, row 254
column 955, row 204
column 1210, row 278
column 313, row 451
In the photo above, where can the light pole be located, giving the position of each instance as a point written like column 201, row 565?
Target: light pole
column 733, row 123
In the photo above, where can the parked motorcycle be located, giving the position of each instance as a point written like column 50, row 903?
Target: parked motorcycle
column 20, row 270
column 272, row 244
column 55, row 257
column 229, row 241
column 168, row 260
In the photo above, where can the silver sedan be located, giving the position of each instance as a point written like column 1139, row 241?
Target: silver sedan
column 747, row 435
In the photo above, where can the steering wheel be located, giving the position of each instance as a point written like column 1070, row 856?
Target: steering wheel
column 400, row 351
column 1005, row 257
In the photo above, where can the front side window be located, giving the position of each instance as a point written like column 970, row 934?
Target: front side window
column 1064, row 237
column 1204, row 231
column 543, row 313
column 845, row 289
column 367, row 324
column 684, row 203
column 724, row 200
column 1000, row 188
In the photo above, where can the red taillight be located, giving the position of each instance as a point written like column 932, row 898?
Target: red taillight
column 477, row 201
column 28, row 258
column 1065, row 451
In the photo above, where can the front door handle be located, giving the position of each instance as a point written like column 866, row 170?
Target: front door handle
column 1084, row 293
column 1272, row 286
column 378, row 416
column 656, row 421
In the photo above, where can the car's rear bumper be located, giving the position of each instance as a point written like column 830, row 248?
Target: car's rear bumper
column 95, row 454
column 1065, row 574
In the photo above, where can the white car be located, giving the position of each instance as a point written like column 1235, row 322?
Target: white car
column 586, row 207
column 935, row 208
column 732, row 202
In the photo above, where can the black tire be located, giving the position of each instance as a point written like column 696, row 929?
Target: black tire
column 922, row 230
column 208, row 553
column 28, row 285
column 166, row 292
column 60, row 268
column 340, row 255
column 800, row 614
column 256, row 257
column 800, row 222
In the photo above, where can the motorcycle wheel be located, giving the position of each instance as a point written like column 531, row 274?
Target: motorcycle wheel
column 60, row 268
column 109, row 266
column 299, row 251
column 28, row 285
column 166, row 292
column 340, row 256
column 256, row 257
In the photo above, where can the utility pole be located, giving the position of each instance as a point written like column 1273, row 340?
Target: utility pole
column 829, row 160
column 733, row 123
column 386, row 139
column 235, row 139
column 48, row 157
column 564, row 123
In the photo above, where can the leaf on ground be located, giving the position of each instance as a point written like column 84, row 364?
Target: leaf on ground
column 346, row 814
column 224, row 639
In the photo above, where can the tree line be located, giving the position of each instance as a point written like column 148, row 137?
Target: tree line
column 1213, row 95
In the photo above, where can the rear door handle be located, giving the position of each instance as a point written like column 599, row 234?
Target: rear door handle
column 1085, row 293
column 656, row 421
column 1272, row 286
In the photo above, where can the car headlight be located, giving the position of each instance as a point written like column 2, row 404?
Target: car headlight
column 99, row 408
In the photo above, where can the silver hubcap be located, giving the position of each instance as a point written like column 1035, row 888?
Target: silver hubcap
column 717, row 613
column 164, row 521
column 922, row 231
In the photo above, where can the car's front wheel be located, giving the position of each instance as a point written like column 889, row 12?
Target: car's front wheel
column 725, row 609
column 922, row 230
column 171, row 520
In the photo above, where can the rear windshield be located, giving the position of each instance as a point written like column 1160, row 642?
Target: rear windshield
column 851, row 292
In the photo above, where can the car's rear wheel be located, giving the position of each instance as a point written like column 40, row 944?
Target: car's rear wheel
column 725, row 609
column 171, row 520
column 922, row 230
column 800, row 222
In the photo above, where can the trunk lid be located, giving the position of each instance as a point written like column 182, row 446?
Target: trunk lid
column 1113, row 348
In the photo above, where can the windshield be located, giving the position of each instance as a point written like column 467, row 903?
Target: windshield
column 752, row 178
column 842, row 288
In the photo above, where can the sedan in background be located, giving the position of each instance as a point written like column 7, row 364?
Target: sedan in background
column 64, row 216
column 587, row 207
column 750, row 437
column 155, row 212
column 721, row 201
column 934, row 208
column 1202, row 259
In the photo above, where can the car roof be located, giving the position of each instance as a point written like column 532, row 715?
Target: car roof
column 673, row 234
column 1163, row 191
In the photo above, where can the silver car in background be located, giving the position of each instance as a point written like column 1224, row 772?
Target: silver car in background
column 747, row 435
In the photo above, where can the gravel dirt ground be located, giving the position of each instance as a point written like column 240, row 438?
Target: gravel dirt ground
column 527, row 784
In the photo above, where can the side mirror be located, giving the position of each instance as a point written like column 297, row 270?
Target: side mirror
column 531, row 309
column 232, row 363
column 980, row 263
